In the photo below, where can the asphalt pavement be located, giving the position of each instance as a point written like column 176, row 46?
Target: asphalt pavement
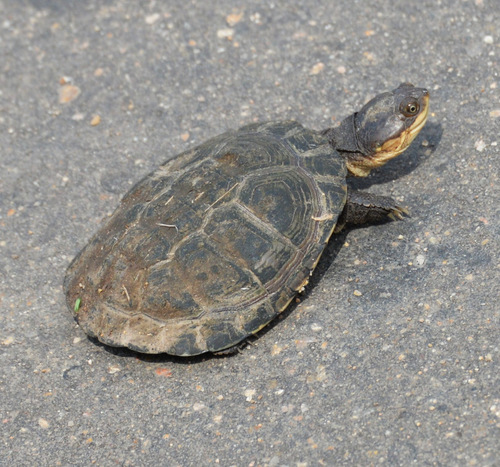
column 390, row 357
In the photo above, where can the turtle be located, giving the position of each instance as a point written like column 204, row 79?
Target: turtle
column 215, row 243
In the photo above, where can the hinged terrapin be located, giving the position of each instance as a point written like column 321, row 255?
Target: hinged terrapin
column 215, row 243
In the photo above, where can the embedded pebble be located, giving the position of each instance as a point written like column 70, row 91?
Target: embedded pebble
column 197, row 406
column 480, row 145
column 249, row 393
column 151, row 19
column 43, row 423
column 234, row 18
column 68, row 93
column 419, row 260
column 316, row 327
column 316, row 69
column 227, row 33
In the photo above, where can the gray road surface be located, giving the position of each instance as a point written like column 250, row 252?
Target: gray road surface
column 391, row 357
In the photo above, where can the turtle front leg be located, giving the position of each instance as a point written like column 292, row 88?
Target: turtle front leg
column 367, row 208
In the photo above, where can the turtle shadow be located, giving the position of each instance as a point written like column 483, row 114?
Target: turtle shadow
column 407, row 162
column 125, row 352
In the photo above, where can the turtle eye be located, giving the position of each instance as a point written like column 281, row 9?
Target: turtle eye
column 409, row 108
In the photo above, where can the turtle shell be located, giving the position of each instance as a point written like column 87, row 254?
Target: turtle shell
column 215, row 243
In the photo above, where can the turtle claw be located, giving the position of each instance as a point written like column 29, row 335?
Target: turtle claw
column 398, row 213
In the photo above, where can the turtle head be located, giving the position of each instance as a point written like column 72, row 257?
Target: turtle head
column 382, row 129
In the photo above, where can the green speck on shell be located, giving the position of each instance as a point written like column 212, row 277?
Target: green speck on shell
column 78, row 301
